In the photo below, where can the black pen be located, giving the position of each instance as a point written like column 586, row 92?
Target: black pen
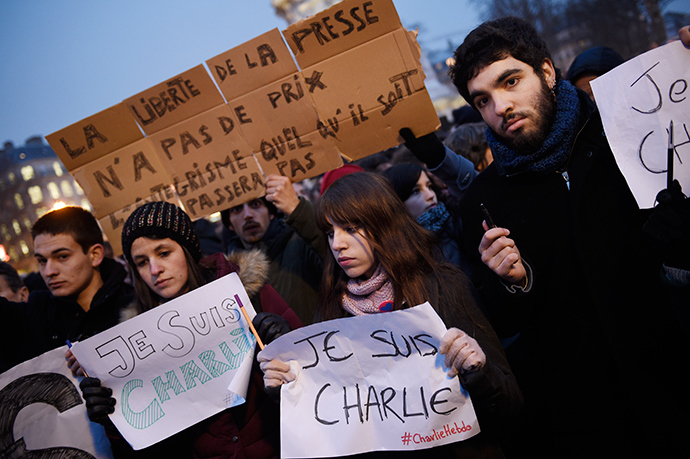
column 487, row 217
column 669, row 158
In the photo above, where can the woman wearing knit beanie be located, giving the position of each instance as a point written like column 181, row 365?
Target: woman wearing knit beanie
column 162, row 248
column 384, row 261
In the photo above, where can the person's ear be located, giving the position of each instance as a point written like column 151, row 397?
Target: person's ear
column 24, row 294
column 96, row 254
column 549, row 72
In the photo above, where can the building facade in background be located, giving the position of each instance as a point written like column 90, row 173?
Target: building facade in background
column 32, row 182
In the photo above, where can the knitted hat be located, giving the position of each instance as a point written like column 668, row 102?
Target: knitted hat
column 161, row 219
column 333, row 175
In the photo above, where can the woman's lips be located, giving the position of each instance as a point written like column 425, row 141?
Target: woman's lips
column 345, row 261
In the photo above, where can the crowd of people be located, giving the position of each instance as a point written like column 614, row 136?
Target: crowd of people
column 566, row 304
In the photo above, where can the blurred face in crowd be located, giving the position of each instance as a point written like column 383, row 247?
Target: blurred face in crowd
column 19, row 296
column 352, row 251
column 162, row 266
column 515, row 101
column 250, row 221
column 584, row 83
column 66, row 269
column 422, row 198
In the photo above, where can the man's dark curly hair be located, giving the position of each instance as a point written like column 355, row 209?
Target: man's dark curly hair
column 494, row 41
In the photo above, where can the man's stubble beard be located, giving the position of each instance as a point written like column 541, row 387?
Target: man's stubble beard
column 544, row 106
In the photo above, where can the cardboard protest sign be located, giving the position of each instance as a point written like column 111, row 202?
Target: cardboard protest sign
column 339, row 28
column 123, row 177
column 232, row 183
column 176, row 364
column 198, row 142
column 347, row 80
column 281, row 127
column 95, row 136
column 298, row 156
column 174, row 100
column 638, row 100
column 42, row 413
column 251, row 65
column 370, row 383
column 274, row 109
column 203, row 155
column 370, row 80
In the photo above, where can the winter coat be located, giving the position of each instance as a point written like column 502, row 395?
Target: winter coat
column 46, row 322
column 295, row 248
column 596, row 351
column 250, row 430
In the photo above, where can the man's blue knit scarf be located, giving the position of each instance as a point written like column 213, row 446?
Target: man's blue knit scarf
column 555, row 150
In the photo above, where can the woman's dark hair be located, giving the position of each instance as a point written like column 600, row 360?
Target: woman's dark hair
column 494, row 41
column 197, row 275
column 406, row 250
column 403, row 177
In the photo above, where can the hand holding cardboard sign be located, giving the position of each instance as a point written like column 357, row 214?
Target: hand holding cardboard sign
column 281, row 193
column 427, row 148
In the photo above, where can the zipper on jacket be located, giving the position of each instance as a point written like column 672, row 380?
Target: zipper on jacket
column 564, row 173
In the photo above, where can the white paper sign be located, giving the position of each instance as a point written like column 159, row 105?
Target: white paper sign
column 638, row 100
column 176, row 364
column 369, row 383
column 42, row 413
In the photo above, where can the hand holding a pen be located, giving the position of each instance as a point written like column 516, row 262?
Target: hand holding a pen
column 73, row 365
column 501, row 255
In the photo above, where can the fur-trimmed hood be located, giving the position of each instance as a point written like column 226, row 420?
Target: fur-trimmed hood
column 251, row 266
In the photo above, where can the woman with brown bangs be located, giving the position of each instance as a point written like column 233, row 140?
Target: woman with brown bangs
column 384, row 261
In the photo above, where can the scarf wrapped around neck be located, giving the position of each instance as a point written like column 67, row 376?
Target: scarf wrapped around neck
column 369, row 296
column 434, row 218
column 554, row 151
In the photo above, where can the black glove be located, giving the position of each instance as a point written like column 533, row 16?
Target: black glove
column 270, row 326
column 427, row 148
column 99, row 400
column 669, row 226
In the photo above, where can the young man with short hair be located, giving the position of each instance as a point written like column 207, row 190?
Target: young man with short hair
column 86, row 290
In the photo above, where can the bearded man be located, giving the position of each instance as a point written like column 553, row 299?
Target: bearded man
column 588, row 325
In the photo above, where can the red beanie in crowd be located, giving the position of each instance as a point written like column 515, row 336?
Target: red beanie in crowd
column 331, row 176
